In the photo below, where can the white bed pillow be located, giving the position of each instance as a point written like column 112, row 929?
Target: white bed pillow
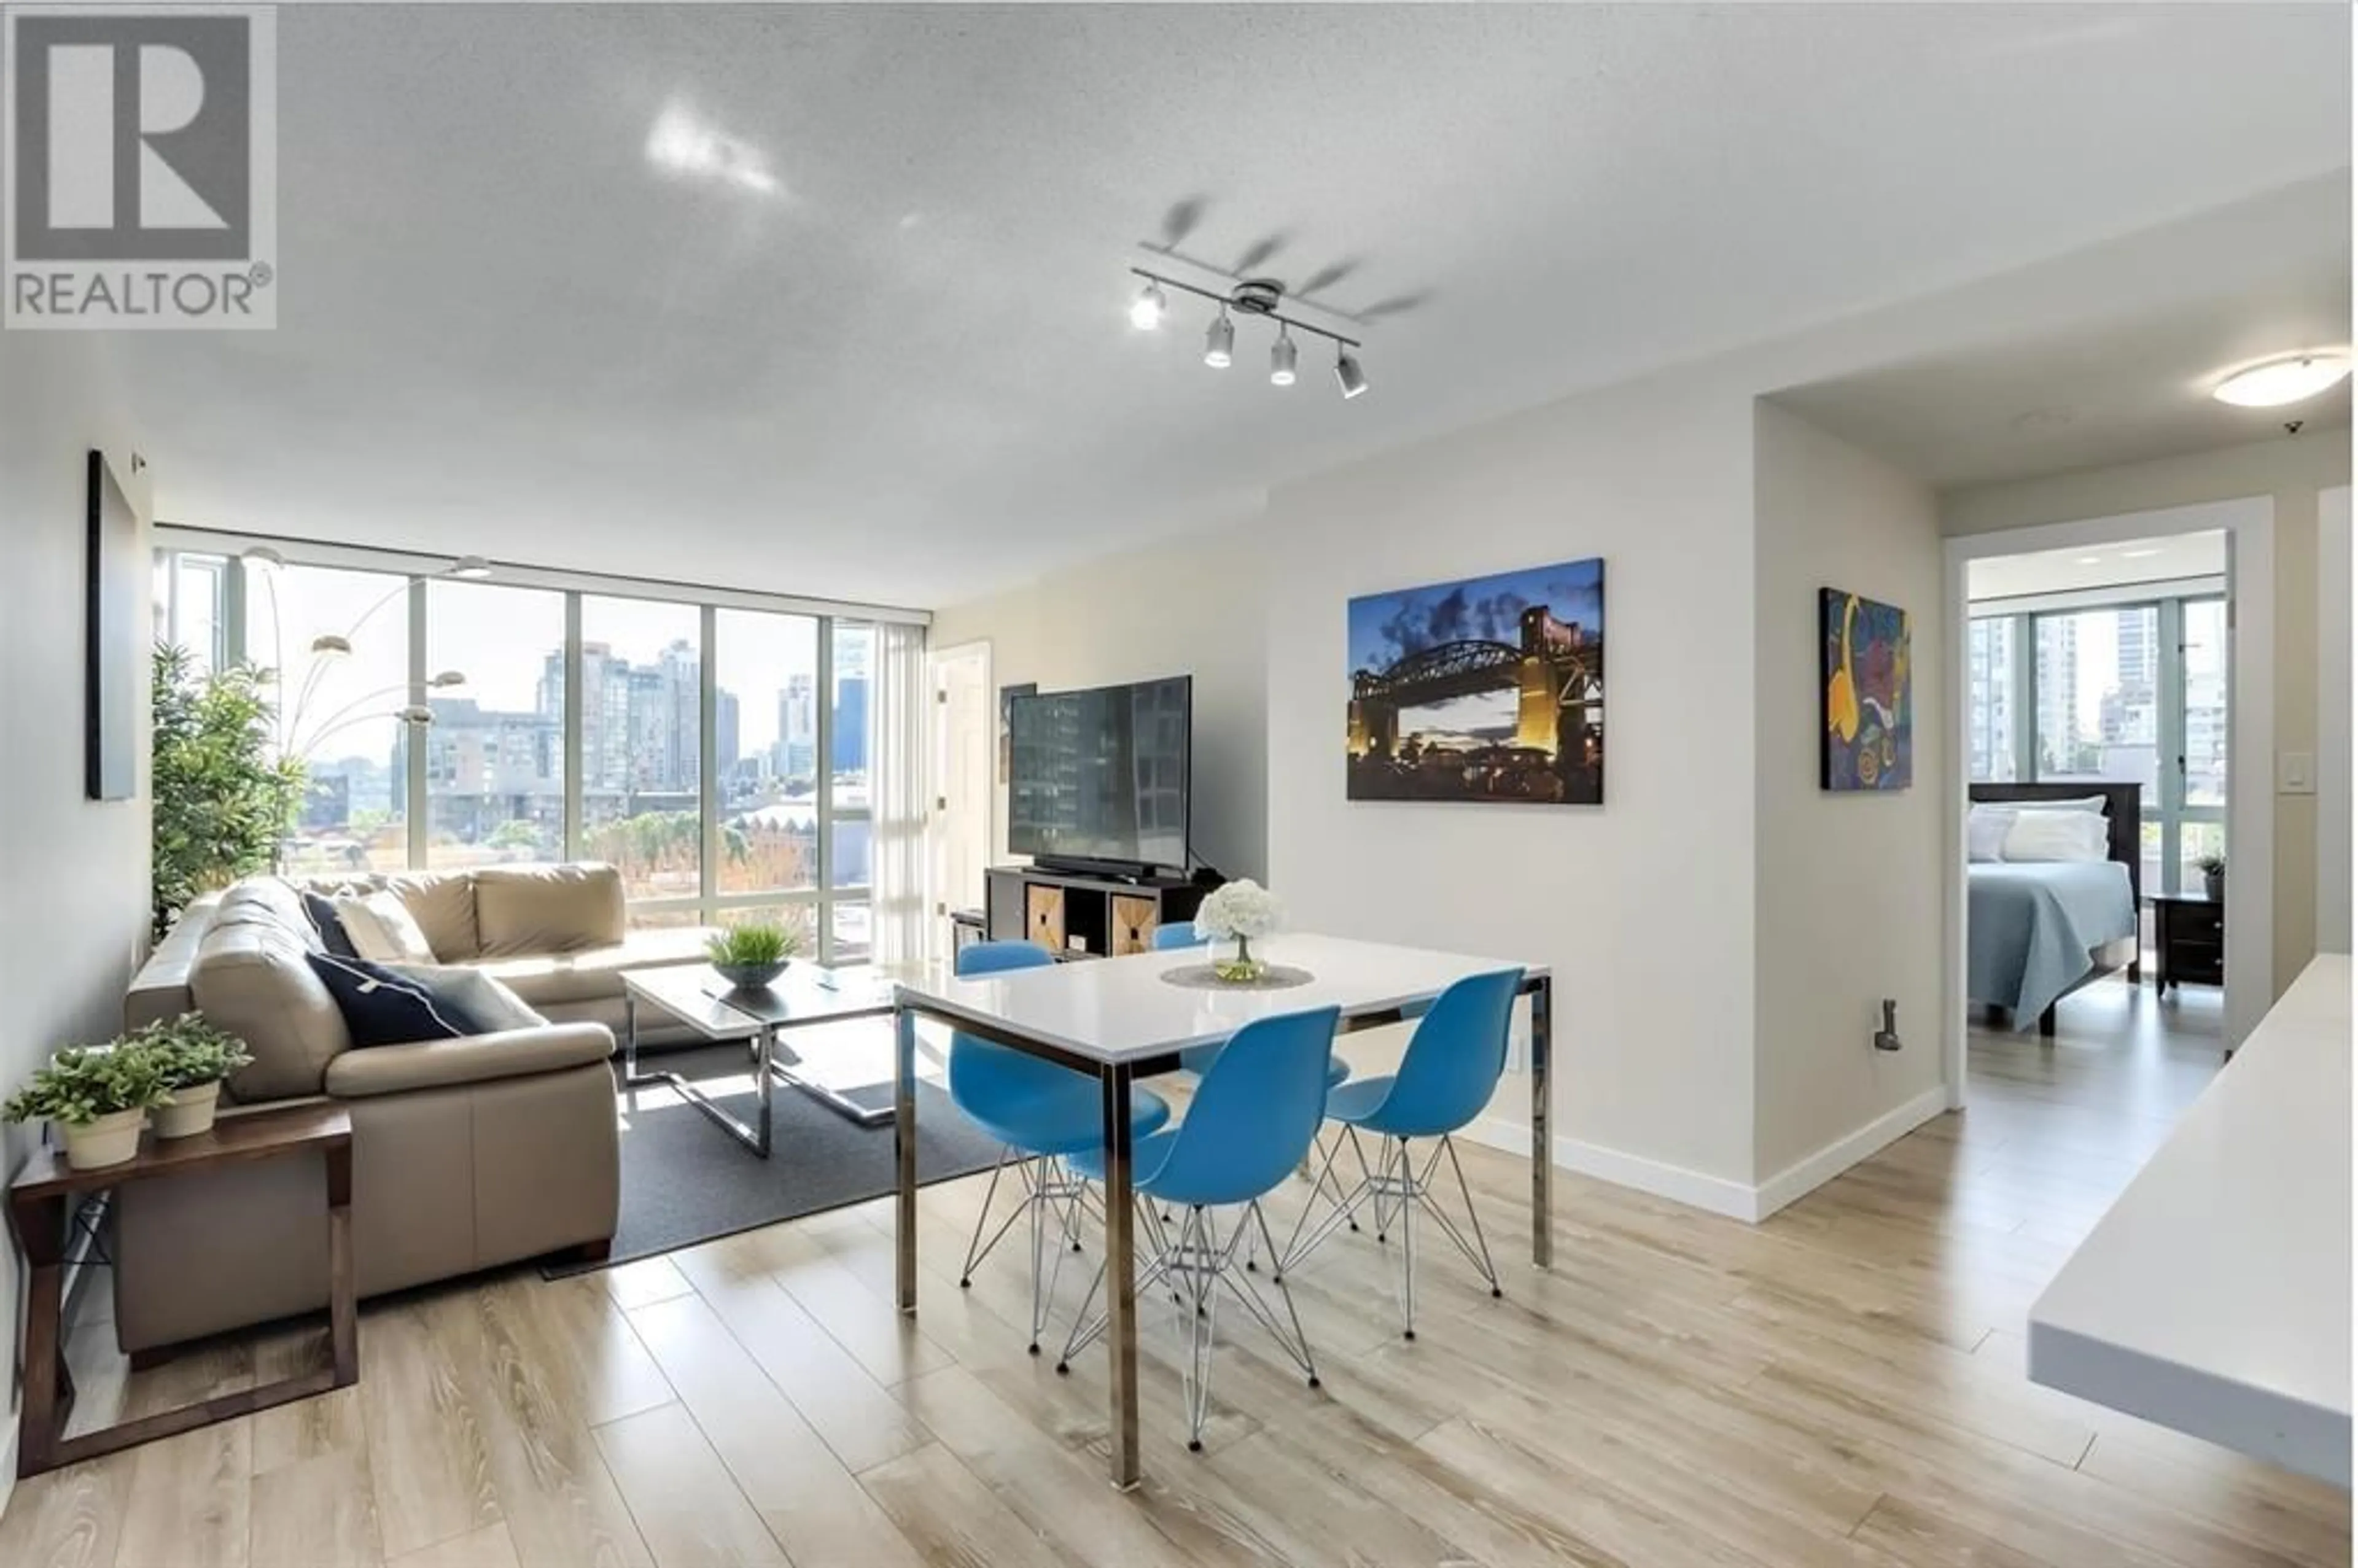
column 2048, row 835
column 1985, row 827
column 383, row 930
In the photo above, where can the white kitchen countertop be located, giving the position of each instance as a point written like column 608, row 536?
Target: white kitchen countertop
column 2214, row 1296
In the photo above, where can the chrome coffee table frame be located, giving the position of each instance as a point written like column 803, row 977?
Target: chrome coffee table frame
column 694, row 995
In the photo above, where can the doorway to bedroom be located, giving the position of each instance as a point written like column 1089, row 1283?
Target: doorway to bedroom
column 2101, row 703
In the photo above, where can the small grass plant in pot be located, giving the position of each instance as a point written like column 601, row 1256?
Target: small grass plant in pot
column 2214, row 876
column 751, row 955
column 98, row 1097
column 194, row 1057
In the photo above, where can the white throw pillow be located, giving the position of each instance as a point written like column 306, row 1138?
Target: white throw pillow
column 1985, row 828
column 488, row 1004
column 2037, row 835
column 383, row 930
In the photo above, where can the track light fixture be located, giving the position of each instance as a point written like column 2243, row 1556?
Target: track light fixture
column 1348, row 373
column 1220, row 340
column 1252, row 296
column 1146, row 310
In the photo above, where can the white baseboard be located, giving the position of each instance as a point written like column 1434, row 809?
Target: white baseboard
column 1813, row 1171
column 1718, row 1195
column 8, row 1462
column 1713, row 1195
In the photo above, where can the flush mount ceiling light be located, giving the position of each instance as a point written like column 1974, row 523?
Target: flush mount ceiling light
column 2287, row 379
column 1254, row 297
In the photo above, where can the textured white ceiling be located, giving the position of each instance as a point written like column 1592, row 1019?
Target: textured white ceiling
column 2172, row 559
column 905, row 376
column 2113, row 387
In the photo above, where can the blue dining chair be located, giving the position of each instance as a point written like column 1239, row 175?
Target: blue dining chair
column 1444, row 1081
column 1043, row 1116
column 1249, row 1124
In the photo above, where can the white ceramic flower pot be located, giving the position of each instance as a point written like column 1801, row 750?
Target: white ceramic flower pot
column 109, row 1141
column 189, row 1112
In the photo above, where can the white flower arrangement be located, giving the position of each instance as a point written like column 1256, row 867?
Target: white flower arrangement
column 1240, row 908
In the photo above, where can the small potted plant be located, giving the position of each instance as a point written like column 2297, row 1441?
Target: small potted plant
column 194, row 1057
column 751, row 955
column 98, row 1095
column 1238, row 911
column 2214, row 877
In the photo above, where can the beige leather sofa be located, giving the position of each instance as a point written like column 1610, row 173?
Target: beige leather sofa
column 466, row 1153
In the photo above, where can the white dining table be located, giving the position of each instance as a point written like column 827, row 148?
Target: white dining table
column 1120, row 1020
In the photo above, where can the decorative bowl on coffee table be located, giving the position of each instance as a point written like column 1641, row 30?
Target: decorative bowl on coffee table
column 751, row 977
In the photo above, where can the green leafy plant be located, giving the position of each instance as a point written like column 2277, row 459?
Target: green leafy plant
column 188, row 1051
column 82, row 1083
column 222, row 798
column 755, row 942
column 2212, row 865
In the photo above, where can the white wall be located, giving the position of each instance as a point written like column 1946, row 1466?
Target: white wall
column 2290, row 472
column 1643, row 905
column 1192, row 607
column 1849, row 895
column 73, row 872
column 2333, row 700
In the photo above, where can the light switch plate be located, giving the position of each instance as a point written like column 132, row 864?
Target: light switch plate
column 2295, row 773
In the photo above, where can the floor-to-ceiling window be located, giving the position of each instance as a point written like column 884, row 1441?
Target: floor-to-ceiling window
column 2124, row 692
column 766, row 734
column 495, row 750
column 339, row 643
column 642, row 752
column 718, row 755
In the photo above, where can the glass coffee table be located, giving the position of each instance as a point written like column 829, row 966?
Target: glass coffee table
column 695, row 996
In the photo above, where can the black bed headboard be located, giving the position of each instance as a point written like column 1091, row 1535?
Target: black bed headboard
column 2124, row 809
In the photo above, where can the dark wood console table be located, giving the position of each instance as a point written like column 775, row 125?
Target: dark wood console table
column 39, row 1202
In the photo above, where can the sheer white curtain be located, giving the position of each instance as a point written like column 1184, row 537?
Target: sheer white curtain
column 900, row 864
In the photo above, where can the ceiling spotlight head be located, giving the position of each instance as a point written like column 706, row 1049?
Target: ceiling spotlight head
column 1348, row 373
column 474, row 568
column 1280, row 360
column 1220, row 342
column 1146, row 310
column 2281, row 381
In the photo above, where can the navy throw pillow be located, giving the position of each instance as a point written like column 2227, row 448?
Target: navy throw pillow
column 382, row 1007
column 328, row 925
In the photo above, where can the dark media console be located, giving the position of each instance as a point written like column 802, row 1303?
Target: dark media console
column 1077, row 914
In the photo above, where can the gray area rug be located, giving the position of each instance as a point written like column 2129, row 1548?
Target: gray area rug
column 684, row 1181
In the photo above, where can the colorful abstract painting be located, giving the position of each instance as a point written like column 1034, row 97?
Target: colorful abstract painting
column 1868, row 717
column 1490, row 688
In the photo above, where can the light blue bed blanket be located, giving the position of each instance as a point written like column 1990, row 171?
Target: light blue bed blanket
column 2032, row 930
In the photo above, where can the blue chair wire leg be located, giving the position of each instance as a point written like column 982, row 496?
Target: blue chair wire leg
column 1044, row 1117
column 1250, row 1124
column 1447, row 1078
column 1052, row 1201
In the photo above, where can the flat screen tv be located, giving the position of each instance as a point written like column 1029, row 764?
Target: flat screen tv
column 1097, row 779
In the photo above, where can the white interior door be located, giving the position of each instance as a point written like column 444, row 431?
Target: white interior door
column 962, row 810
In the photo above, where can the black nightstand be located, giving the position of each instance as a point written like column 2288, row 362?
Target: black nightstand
column 2190, row 938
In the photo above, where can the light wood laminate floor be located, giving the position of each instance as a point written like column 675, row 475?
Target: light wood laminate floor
column 1843, row 1385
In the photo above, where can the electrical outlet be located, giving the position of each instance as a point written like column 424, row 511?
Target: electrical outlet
column 2295, row 773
